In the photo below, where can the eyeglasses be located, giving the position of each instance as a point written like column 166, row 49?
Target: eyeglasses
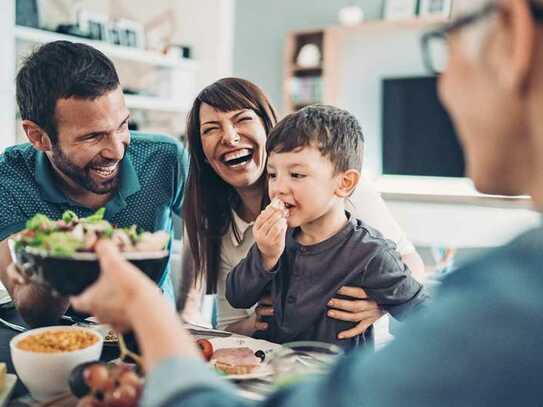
column 434, row 42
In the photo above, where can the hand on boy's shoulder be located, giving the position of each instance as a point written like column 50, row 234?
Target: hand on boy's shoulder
column 269, row 232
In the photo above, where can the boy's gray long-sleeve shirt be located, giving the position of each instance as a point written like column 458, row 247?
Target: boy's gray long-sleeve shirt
column 307, row 277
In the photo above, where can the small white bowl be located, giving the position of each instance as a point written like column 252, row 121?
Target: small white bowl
column 45, row 375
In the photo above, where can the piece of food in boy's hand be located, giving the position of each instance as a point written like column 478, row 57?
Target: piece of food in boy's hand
column 206, row 348
column 278, row 204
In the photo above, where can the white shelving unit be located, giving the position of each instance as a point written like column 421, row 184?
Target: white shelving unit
column 177, row 104
column 113, row 51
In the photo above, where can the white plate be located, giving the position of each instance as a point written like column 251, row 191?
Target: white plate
column 268, row 348
column 11, row 380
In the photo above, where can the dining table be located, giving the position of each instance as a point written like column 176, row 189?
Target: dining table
column 252, row 389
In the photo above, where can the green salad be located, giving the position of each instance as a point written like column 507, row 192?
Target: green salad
column 71, row 234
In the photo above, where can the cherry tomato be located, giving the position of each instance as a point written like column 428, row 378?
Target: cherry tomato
column 206, row 348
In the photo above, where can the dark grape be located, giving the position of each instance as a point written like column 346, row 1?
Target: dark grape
column 261, row 355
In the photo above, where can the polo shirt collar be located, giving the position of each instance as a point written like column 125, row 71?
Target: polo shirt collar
column 241, row 226
column 51, row 192
column 129, row 185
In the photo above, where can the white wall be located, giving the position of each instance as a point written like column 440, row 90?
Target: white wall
column 205, row 25
column 208, row 25
column 7, row 74
column 365, row 58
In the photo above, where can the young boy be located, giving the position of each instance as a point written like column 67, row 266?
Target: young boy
column 307, row 245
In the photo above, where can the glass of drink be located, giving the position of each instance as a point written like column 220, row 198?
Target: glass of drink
column 296, row 360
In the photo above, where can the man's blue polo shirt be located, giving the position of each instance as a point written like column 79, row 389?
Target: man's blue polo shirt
column 153, row 175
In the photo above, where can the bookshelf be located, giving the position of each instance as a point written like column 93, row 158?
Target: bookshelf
column 303, row 84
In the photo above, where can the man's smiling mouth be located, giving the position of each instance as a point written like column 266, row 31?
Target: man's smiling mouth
column 106, row 172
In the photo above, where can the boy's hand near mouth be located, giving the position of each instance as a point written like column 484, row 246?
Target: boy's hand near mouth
column 269, row 232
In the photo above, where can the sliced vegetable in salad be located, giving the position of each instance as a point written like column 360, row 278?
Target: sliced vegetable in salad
column 71, row 234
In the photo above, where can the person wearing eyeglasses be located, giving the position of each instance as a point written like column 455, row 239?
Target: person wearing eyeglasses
column 480, row 343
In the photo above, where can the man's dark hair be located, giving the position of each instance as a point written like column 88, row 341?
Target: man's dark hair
column 60, row 70
column 336, row 133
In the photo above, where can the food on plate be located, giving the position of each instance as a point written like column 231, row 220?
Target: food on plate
column 58, row 341
column 106, row 385
column 72, row 234
column 3, row 374
column 235, row 360
column 206, row 348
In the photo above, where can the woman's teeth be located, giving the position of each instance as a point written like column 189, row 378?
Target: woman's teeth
column 237, row 158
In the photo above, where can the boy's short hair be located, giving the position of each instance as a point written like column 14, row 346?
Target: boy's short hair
column 335, row 132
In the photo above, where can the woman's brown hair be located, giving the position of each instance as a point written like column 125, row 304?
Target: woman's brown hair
column 209, row 201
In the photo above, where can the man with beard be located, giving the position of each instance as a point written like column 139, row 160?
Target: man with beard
column 81, row 156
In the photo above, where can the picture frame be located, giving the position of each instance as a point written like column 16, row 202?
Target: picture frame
column 93, row 25
column 400, row 9
column 435, row 8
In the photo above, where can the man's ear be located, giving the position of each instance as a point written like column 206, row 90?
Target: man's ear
column 37, row 136
column 517, row 41
column 347, row 183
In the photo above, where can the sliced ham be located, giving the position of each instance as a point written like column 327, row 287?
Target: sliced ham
column 235, row 360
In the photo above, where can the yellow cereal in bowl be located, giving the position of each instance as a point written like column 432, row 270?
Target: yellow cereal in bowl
column 58, row 341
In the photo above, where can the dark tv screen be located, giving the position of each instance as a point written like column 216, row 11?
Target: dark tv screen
column 418, row 136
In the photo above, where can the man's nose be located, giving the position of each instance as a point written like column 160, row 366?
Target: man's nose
column 115, row 148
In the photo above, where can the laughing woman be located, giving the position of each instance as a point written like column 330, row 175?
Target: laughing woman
column 226, row 191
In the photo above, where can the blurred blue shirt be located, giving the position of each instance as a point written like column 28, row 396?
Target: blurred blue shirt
column 478, row 344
